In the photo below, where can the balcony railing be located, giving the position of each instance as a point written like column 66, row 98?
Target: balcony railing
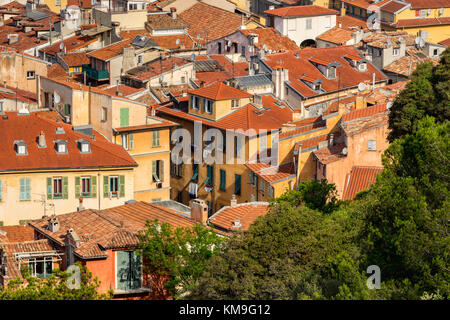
column 96, row 74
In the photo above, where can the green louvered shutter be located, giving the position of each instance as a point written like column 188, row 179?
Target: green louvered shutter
column 27, row 189
column 237, row 184
column 77, row 187
column 122, row 186
column 222, row 179
column 130, row 141
column 195, row 172
column 154, row 175
column 105, row 186
column 161, row 170
column 209, row 172
column 93, row 186
column 65, row 190
column 124, row 117
column 49, row 188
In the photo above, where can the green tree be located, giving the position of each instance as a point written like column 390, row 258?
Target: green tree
column 177, row 256
column 53, row 288
column 406, row 213
column 316, row 195
column 428, row 93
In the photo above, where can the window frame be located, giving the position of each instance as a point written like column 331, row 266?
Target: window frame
column 57, row 183
column 371, row 145
column 114, row 194
column 82, row 193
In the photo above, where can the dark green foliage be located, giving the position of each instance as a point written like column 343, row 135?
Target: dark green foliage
column 428, row 93
column 178, row 255
column 317, row 195
column 53, row 288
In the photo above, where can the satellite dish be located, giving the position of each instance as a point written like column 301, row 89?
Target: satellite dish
column 57, row 97
column 265, row 48
column 421, row 43
column 344, row 151
column 361, row 87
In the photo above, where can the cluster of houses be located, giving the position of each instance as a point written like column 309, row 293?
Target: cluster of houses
column 97, row 97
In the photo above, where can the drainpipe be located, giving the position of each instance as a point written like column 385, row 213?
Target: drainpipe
column 89, row 105
column 98, row 189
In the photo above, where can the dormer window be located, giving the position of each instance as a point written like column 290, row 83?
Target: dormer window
column 331, row 72
column 235, row 103
column 195, row 102
column 317, row 86
column 61, row 146
column 60, row 130
column 84, row 146
column 209, row 106
column 21, row 148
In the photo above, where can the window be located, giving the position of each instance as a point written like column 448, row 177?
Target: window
column 84, row 146
column 423, row 13
column 209, row 106
column 124, row 117
column 21, row 147
column 435, row 52
column 127, row 141
column 67, row 109
column 25, row 189
column 235, row 103
column 85, row 186
column 128, row 270
column 58, row 2
column 104, row 114
column 372, row 145
column 139, row 59
column 156, row 138
column 195, row 172
column 262, row 186
column 40, row 267
column 252, row 178
column 195, row 102
column 30, row 75
column 57, row 188
column 219, row 47
column 308, row 24
column 395, row 52
column 209, row 176
column 61, row 146
column 237, row 184
column 317, row 87
column 270, row 192
column 157, row 171
column 362, row 67
column 114, row 186
column 332, row 72
column 223, row 177
column 243, row 51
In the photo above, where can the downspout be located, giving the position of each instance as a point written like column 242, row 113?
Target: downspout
column 89, row 104
column 98, row 189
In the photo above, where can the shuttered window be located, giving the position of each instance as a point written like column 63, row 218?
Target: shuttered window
column 223, row 178
column 209, row 176
column 237, row 184
column 124, row 117
column 195, row 172
column 25, row 189
column 156, row 138
column 128, row 270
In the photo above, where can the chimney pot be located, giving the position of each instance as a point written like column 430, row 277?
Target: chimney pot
column 233, row 202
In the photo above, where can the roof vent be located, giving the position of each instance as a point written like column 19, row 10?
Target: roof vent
column 60, row 130
column 23, row 111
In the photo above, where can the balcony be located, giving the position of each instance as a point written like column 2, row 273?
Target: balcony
column 96, row 74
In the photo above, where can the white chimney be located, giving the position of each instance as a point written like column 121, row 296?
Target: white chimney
column 41, row 140
column 80, row 206
column 173, row 12
column 53, row 224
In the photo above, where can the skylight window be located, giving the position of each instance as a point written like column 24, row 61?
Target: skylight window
column 61, row 146
column 21, row 147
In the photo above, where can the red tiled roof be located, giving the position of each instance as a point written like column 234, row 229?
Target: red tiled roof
column 302, row 126
column 217, row 22
column 21, row 95
column 445, row 42
column 123, row 89
column 393, row 6
column 247, row 117
column 155, row 68
column 17, row 233
column 376, row 120
column 245, row 213
column 272, row 174
column 28, row 127
column 55, row 71
column 363, row 113
column 330, row 153
column 349, row 22
column 75, row 59
column 337, row 36
column 71, row 44
column 409, row 23
column 300, row 11
column 115, row 227
column 163, row 123
column 347, row 76
column 271, row 38
column 408, row 63
column 359, row 179
column 111, row 51
column 220, row 91
column 83, row 4
column 429, row 4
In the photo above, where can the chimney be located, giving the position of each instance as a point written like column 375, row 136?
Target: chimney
column 199, row 211
column 13, row 38
column 233, row 202
column 53, row 224
column 173, row 12
column 2, row 21
column 80, row 206
column 41, row 140
column 271, row 7
column 74, row 236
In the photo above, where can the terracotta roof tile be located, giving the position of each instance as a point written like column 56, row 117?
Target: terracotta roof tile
column 407, row 64
column 17, row 233
column 427, row 4
column 156, row 67
column 272, row 174
column 220, row 91
column 71, row 44
column 111, row 51
column 300, row 11
column 28, row 127
column 17, row 94
column 244, row 213
column 377, row 117
column 359, row 179
column 330, row 154
column 445, row 42
column 409, row 23
column 75, row 59
column 271, row 38
column 337, row 36
column 164, row 20
column 393, row 6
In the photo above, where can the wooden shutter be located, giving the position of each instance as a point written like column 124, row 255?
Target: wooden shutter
column 124, row 117
column 209, row 172
column 130, row 141
column 77, row 187
column 195, row 172
column 49, row 188
column 65, row 188
column 161, row 170
column 121, row 186
column 154, row 175
column 222, row 179
column 237, row 184
column 27, row 189
column 93, row 186
column 105, row 186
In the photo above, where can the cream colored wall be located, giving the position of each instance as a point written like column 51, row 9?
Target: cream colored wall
column 12, row 210
column 131, row 20
column 137, row 112
column 221, row 108
column 174, row 76
column 14, row 67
